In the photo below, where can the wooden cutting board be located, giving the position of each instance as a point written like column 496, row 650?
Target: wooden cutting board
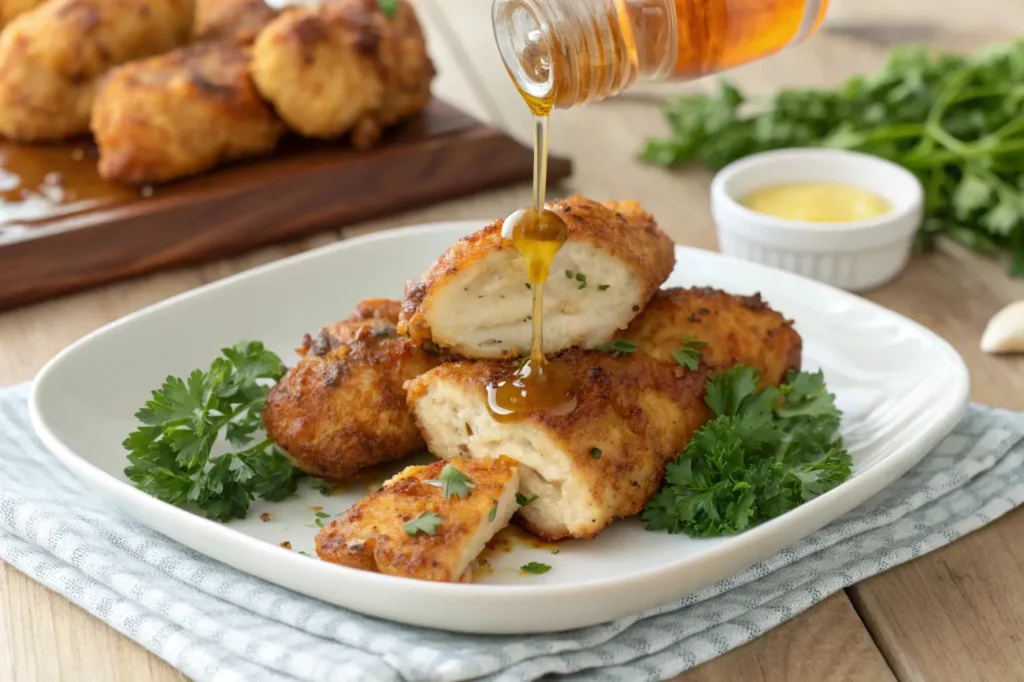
column 304, row 187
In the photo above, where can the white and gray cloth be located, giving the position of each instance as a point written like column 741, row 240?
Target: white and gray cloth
column 221, row 625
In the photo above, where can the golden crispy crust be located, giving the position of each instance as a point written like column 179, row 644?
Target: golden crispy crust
column 622, row 229
column 179, row 114
column 235, row 20
column 638, row 412
column 344, row 67
column 52, row 55
column 342, row 407
column 371, row 534
column 737, row 330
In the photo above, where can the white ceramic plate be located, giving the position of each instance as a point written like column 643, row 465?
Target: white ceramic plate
column 901, row 388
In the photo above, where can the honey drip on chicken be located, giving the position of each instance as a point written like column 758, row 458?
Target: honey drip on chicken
column 539, row 385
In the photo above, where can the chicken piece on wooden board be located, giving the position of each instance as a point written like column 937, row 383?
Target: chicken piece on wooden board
column 475, row 300
column 736, row 330
column 410, row 529
column 342, row 407
column 344, row 67
column 239, row 21
column 180, row 114
column 52, row 56
column 602, row 461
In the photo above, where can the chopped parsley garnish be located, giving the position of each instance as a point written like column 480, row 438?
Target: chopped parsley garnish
column 452, row 482
column 494, row 512
column 603, row 287
column 523, row 500
column 535, row 568
column 568, row 274
column 618, row 347
column 596, row 453
column 688, row 355
column 582, row 279
column 528, row 286
column 319, row 523
column 322, row 515
column 170, row 454
column 388, row 7
column 766, row 452
column 427, row 522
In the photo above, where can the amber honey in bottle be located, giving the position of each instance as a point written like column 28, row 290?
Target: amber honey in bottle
column 563, row 53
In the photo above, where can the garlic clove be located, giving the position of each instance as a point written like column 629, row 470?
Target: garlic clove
column 1005, row 331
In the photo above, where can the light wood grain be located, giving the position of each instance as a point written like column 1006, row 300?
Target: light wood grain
column 827, row 643
column 955, row 614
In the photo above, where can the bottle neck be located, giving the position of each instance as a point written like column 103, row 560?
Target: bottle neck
column 563, row 53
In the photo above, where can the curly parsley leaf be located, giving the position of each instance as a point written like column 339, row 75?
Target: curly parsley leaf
column 618, row 347
column 427, row 523
column 523, row 500
column 452, row 482
column 688, row 355
column 766, row 452
column 171, row 454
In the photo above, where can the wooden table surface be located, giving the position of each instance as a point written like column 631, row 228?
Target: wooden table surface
column 955, row 614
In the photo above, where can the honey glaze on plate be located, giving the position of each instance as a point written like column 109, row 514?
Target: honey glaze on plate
column 539, row 384
column 41, row 182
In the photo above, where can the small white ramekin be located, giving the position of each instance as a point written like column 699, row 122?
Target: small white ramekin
column 855, row 256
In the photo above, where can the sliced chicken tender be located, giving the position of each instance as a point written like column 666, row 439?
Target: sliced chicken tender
column 342, row 407
column 735, row 330
column 475, row 299
column 409, row 528
column 51, row 57
column 179, row 114
column 603, row 460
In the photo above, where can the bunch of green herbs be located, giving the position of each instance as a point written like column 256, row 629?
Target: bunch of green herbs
column 955, row 121
column 766, row 452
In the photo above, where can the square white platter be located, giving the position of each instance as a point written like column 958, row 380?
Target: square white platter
column 902, row 389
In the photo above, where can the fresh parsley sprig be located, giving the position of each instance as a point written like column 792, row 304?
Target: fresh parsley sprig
column 171, row 453
column 766, row 452
column 452, row 482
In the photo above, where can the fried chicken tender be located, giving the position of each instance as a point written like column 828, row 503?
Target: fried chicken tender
column 606, row 458
column 475, row 300
column 373, row 536
column 9, row 9
column 342, row 407
column 179, row 114
column 239, row 21
column 343, row 67
column 736, row 330
column 51, row 57
column 603, row 460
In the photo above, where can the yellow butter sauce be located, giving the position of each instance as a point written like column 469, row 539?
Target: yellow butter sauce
column 817, row 202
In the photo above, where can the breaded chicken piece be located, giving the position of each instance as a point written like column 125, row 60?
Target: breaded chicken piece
column 737, row 330
column 239, row 21
column 342, row 407
column 179, row 114
column 606, row 458
column 409, row 529
column 475, row 299
column 51, row 57
column 9, row 9
column 344, row 67
column 603, row 460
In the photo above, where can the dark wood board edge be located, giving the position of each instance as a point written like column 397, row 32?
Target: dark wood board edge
column 217, row 224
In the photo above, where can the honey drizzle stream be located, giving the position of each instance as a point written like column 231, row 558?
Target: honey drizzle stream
column 538, row 233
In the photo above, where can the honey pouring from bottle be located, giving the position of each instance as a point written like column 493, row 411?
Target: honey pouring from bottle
column 566, row 53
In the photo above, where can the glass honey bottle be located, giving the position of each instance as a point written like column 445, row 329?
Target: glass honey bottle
column 564, row 53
